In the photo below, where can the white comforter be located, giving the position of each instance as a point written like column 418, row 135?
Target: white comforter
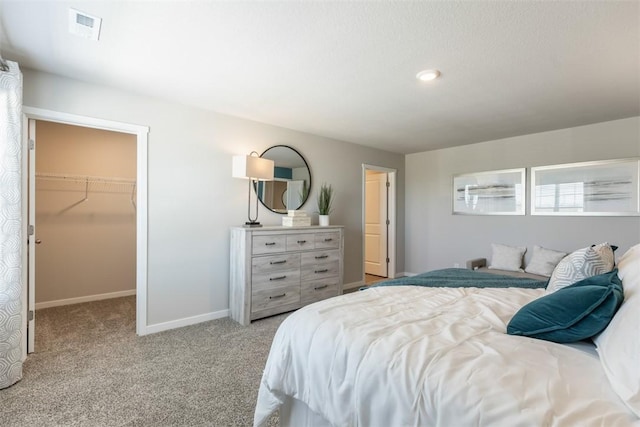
column 413, row 356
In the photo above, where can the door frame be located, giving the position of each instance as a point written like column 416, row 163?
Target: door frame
column 141, row 133
column 380, row 196
column 391, row 207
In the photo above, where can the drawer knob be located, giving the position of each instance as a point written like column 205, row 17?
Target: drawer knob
column 278, row 278
column 277, row 296
column 317, row 288
column 270, row 243
column 328, row 239
column 302, row 242
column 278, row 262
column 322, row 256
column 324, row 270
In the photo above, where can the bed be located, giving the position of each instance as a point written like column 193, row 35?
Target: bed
column 405, row 355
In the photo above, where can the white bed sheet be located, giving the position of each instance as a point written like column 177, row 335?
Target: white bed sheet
column 413, row 356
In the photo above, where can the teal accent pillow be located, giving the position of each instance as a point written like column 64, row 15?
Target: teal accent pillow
column 573, row 313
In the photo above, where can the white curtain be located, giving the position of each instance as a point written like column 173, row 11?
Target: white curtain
column 10, row 226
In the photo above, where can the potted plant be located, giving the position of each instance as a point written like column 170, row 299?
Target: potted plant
column 304, row 193
column 325, row 200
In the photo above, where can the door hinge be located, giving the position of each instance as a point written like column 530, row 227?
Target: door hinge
column 30, row 315
column 388, row 184
column 31, row 230
column 388, row 260
column 388, row 222
column 32, row 144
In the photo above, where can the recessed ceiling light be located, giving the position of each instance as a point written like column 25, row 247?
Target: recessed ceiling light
column 427, row 75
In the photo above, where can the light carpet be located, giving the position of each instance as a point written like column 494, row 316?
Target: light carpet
column 91, row 369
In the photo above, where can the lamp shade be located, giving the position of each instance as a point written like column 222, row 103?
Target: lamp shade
column 252, row 167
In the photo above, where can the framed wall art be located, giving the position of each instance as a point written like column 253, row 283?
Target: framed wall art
column 600, row 188
column 499, row 192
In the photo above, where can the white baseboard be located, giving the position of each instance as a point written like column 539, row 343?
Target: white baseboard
column 179, row 323
column 352, row 285
column 88, row 298
column 150, row 329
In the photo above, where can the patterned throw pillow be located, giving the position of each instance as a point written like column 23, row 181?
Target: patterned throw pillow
column 583, row 263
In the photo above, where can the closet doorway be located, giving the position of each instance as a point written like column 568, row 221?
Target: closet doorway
column 378, row 223
column 87, row 213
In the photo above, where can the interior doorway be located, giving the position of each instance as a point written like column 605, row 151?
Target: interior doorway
column 136, row 195
column 85, row 214
column 378, row 223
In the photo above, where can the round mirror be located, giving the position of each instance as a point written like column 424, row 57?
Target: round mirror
column 291, row 183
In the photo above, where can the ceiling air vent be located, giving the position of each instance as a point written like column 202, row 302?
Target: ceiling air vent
column 84, row 25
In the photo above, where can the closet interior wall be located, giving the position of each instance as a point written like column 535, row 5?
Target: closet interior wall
column 85, row 215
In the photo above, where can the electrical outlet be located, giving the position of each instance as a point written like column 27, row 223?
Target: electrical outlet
column 456, row 265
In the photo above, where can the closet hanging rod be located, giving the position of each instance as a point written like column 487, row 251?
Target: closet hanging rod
column 85, row 178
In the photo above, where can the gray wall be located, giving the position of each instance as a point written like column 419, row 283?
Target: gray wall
column 437, row 239
column 193, row 200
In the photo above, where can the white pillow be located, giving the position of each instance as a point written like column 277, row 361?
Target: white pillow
column 619, row 344
column 507, row 257
column 544, row 261
column 580, row 264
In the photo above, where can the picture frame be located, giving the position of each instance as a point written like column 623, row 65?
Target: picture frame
column 597, row 188
column 499, row 192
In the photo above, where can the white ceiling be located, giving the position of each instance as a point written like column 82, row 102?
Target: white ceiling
column 347, row 70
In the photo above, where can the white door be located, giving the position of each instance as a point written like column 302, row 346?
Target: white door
column 32, row 241
column 294, row 194
column 376, row 223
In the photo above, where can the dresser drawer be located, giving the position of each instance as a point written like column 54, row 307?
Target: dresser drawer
column 320, row 271
column 319, row 257
column 329, row 240
column 268, row 244
column 317, row 290
column 267, row 299
column 275, row 279
column 268, row 264
column 300, row 242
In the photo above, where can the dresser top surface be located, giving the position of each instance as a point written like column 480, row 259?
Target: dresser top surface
column 285, row 228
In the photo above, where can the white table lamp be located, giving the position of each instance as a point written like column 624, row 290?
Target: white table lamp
column 253, row 168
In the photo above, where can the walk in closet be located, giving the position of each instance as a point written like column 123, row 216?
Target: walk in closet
column 85, row 214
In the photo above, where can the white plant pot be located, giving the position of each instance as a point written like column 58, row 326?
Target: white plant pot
column 323, row 220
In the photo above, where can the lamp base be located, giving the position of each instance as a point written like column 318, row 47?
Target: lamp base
column 252, row 224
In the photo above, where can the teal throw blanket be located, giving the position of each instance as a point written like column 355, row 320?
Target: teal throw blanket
column 463, row 278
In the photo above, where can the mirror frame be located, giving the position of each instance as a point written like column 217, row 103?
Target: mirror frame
column 255, row 187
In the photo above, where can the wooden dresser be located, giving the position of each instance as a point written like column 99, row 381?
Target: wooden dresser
column 278, row 269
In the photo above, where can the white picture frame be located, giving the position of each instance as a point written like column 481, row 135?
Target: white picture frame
column 500, row 192
column 597, row 188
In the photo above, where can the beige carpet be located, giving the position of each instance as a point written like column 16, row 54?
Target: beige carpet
column 90, row 369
